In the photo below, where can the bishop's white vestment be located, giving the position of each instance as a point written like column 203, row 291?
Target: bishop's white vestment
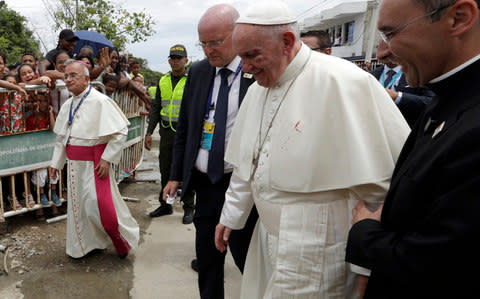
column 97, row 215
column 304, row 151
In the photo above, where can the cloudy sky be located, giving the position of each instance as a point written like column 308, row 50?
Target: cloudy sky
column 176, row 22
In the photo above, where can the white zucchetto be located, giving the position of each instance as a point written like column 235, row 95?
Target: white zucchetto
column 270, row 12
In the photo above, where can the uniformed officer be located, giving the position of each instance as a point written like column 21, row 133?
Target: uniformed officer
column 165, row 110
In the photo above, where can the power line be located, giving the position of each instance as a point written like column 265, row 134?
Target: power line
column 313, row 7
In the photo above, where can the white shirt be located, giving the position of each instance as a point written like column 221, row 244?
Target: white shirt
column 233, row 102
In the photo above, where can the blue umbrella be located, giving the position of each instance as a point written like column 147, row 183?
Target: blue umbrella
column 93, row 39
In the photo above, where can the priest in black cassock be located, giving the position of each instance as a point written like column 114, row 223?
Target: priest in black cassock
column 423, row 242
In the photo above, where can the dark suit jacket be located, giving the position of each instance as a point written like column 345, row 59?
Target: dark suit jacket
column 426, row 245
column 414, row 99
column 190, row 123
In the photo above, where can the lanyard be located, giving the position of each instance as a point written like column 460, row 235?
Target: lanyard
column 70, row 115
column 210, row 94
column 394, row 79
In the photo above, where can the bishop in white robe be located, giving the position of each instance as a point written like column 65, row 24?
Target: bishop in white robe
column 91, row 130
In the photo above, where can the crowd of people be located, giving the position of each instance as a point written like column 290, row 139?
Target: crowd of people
column 338, row 183
column 35, row 109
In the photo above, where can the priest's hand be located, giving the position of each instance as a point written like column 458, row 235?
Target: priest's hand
column 222, row 233
column 102, row 169
column 170, row 189
column 361, row 212
column 148, row 142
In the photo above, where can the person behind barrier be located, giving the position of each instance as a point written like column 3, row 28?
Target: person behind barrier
column 29, row 58
column 26, row 75
column 314, row 134
column 11, row 109
column 88, row 60
column 125, row 82
column 3, row 64
column 135, row 69
column 165, row 110
column 12, row 114
column 111, row 84
column 43, row 118
column 91, row 131
column 66, row 41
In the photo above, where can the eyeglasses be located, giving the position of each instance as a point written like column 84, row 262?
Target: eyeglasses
column 71, row 76
column 386, row 36
column 214, row 43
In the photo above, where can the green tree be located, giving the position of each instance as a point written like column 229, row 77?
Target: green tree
column 15, row 38
column 119, row 25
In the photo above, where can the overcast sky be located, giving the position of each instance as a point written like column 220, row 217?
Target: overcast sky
column 176, row 22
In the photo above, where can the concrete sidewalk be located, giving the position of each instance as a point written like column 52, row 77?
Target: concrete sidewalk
column 162, row 262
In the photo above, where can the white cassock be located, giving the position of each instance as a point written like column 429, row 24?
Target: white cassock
column 334, row 139
column 97, row 215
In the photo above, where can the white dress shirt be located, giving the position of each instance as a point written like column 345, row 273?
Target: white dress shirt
column 233, row 102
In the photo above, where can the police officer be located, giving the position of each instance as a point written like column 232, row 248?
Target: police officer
column 165, row 110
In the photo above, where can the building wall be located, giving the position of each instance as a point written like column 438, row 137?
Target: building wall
column 354, row 48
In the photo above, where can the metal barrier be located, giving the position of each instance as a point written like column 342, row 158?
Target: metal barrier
column 132, row 154
column 24, row 154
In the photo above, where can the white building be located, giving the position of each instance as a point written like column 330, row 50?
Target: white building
column 349, row 23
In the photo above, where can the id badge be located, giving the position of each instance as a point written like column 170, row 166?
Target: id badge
column 207, row 136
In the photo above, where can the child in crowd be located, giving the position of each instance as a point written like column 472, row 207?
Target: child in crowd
column 111, row 84
column 11, row 122
column 26, row 75
column 43, row 118
column 61, row 94
column 11, row 106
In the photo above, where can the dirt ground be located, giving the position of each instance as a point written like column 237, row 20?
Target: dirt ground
column 39, row 267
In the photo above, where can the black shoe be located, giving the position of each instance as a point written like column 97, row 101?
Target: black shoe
column 187, row 216
column 123, row 256
column 194, row 265
column 161, row 211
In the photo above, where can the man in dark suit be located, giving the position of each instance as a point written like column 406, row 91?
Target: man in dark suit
column 410, row 100
column 423, row 242
column 213, row 92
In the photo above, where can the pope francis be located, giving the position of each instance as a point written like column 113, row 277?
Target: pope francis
column 314, row 135
column 90, row 130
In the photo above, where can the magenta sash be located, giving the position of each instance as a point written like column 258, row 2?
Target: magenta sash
column 108, row 215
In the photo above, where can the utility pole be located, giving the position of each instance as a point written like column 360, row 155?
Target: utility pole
column 372, row 30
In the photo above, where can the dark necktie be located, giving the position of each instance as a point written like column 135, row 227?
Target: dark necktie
column 389, row 78
column 215, row 158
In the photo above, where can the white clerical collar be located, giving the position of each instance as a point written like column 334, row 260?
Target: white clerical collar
column 80, row 95
column 295, row 66
column 396, row 69
column 455, row 70
column 233, row 65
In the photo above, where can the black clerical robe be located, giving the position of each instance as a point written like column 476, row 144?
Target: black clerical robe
column 426, row 244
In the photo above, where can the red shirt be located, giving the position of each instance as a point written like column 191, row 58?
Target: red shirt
column 37, row 123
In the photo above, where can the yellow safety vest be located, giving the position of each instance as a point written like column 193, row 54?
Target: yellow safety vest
column 171, row 99
column 152, row 90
